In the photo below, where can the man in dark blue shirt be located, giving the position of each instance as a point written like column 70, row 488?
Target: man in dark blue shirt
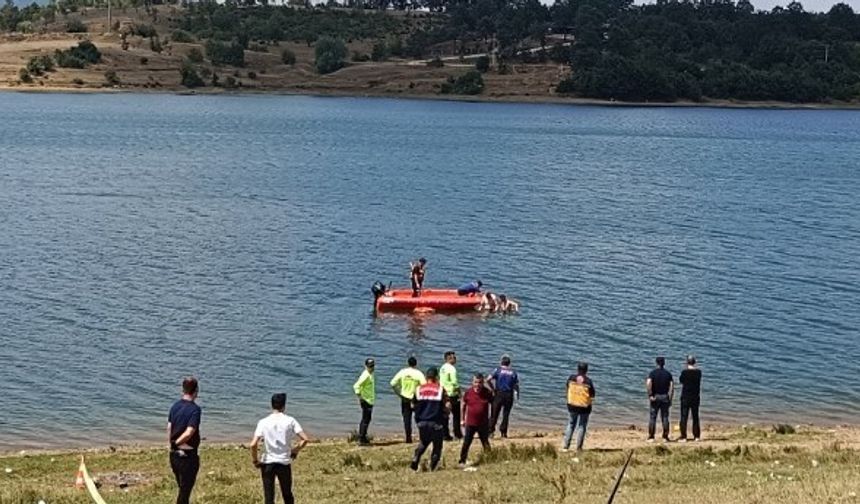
column 661, row 388
column 432, row 406
column 183, row 434
column 505, row 384
column 473, row 287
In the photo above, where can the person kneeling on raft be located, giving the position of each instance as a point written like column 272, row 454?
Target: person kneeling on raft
column 470, row 289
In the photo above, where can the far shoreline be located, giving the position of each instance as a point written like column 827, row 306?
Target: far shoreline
column 503, row 99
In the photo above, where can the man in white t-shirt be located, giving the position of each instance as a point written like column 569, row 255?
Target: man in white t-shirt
column 277, row 432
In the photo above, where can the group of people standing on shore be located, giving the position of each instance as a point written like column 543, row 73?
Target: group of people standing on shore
column 435, row 403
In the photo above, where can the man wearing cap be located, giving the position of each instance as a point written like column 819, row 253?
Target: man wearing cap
column 417, row 276
column 449, row 381
column 506, row 385
column 183, row 434
column 660, row 387
column 431, row 406
column 691, row 381
column 404, row 384
column 365, row 389
column 277, row 432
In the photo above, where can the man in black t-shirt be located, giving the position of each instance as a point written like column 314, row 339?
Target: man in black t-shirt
column 183, row 434
column 416, row 276
column 661, row 388
column 691, row 379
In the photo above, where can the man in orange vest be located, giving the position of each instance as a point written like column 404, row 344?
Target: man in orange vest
column 580, row 395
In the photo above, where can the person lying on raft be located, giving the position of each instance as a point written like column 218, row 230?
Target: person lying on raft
column 470, row 289
column 506, row 305
column 489, row 302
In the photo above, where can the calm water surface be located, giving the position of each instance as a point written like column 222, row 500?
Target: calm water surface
column 146, row 237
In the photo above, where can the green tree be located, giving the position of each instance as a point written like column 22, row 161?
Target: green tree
column 329, row 54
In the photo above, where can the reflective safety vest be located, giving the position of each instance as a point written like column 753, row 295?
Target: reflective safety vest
column 578, row 393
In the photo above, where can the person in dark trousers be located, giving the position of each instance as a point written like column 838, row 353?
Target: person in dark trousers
column 470, row 289
column 476, row 416
column 365, row 390
column 277, row 431
column 451, row 384
column 404, row 384
column 183, row 435
column 691, row 381
column 431, row 406
column 506, row 387
column 416, row 276
column 661, row 388
column 580, row 395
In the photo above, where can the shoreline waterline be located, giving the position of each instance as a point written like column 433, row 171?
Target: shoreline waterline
column 511, row 99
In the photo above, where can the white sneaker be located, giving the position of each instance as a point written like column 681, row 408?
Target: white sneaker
column 649, row 440
column 565, row 450
column 696, row 440
column 682, row 440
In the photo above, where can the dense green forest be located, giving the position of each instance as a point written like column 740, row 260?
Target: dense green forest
column 669, row 50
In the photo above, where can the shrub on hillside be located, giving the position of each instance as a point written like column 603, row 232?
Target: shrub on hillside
column 258, row 48
column 144, row 30
column 482, row 64
column 24, row 76
column 38, row 65
column 79, row 56
column 379, row 51
column 111, row 78
column 182, row 36
column 436, row 62
column 220, row 53
column 470, row 83
column 288, row 57
column 329, row 54
column 195, row 56
column 190, row 77
column 75, row 25
column 155, row 44
column 359, row 56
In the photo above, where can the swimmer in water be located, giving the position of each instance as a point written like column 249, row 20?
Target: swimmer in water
column 506, row 305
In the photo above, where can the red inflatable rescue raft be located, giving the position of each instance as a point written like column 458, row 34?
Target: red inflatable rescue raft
column 429, row 301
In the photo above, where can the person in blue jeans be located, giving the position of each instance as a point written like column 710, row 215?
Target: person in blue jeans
column 580, row 395
column 661, row 387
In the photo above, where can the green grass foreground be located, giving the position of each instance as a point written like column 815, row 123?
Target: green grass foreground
column 748, row 465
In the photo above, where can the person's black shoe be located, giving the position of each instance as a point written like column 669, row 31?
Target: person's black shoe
column 409, row 440
column 414, row 465
column 449, row 438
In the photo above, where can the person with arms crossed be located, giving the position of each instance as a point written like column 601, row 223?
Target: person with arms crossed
column 449, row 381
column 661, row 388
column 476, row 416
column 431, row 406
column 506, row 387
column 183, row 436
column 580, row 395
column 277, row 432
column 404, row 384
column 691, row 381
column 365, row 390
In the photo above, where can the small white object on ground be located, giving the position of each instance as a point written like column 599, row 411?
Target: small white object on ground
column 814, row 463
column 470, row 469
column 8, row 470
column 575, row 460
column 41, row 502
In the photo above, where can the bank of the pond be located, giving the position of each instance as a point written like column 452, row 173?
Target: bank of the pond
column 731, row 464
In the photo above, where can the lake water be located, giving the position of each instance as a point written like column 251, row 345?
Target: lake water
column 146, row 237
